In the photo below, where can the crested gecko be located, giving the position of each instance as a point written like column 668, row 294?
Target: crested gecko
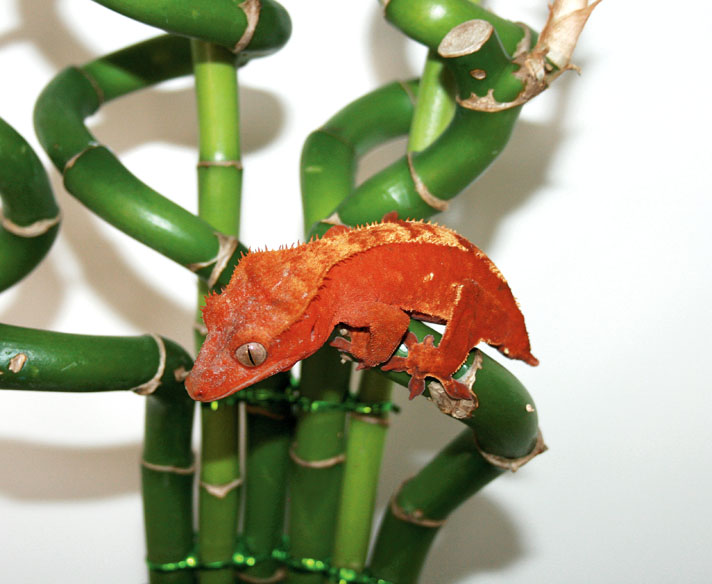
column 281, row 306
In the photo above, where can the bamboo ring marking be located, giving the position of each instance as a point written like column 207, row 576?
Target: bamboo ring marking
column 152, row 384
column 220, row 163
column 221, row 491
column 179, row 470
column 422, row 190
column 376, row 420
column 414, row 517
column 39, row 227
column 318, row 464
column 252, row 9
column 95, row 85
column 408, row 91
column 279, row 575
column 513, row 464
column 72, row 161
column 226, row 247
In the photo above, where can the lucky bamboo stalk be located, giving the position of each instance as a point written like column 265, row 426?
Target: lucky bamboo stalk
column 219, row 194
column 264, row 25
column 364, row 450
column 269, row 436
column 317, row 455
column 29, row 216
column 60, row 362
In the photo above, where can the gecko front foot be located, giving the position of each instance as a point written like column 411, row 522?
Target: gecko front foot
column 424, row 360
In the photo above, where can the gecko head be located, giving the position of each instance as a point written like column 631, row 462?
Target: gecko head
column 245, row 345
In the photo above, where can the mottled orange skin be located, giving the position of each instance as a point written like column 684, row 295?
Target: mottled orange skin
column 369, row 280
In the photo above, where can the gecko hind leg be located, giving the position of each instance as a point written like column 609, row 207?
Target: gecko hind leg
column 442, row 361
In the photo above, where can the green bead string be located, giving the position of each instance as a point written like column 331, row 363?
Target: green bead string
column 241, row 558
column 258, row 396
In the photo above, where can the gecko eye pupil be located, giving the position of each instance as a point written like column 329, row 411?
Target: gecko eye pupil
column 251, row 354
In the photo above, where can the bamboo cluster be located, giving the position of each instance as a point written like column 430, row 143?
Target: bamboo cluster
column 309, row 434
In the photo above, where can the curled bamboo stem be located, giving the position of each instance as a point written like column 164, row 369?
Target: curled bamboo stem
column 29, row 216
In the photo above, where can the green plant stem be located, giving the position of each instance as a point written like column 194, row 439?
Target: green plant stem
column 454, row 475
column 27, row 200
column 223, row 22
column 269, row 435
column 331, row 153
column 317, row 454
column 435, row 107
column 219, row 190
column 364, row 450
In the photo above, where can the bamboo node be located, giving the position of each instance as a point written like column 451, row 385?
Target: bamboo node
column 226, row 247
column 17, row 362
column 152, row 384
column 513, row 464
column 408, row 91
column 279, row 575
column 73, row 160
column 95, row 85
column 376, row 420
column 317, row 464
column 252, row 9
column 39, row 227
column 220, row 163
column 415, row 517
column 221, row 491
column 179, row 470
column 422, row 190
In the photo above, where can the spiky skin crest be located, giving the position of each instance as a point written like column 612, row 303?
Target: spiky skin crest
column 370, row 280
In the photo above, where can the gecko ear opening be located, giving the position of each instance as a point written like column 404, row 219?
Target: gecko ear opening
column 251, row 354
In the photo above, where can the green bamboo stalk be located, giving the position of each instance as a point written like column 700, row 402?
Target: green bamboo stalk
column 269, row 435
column 219, row 194
column 223, row 22
column 364, row 450
column 330, row 154
column 97, row 178
column 29, row 216
column 167, row 474
column 435, row 107
column 317, row 455
column 59, row 362
column 419, row 508
column 314, row 492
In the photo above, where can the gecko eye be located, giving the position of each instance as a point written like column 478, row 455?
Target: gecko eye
column 251, row 354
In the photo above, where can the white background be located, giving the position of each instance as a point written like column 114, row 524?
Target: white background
column 597, row 213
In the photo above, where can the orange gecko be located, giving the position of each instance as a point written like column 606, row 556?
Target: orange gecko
column 281, row 306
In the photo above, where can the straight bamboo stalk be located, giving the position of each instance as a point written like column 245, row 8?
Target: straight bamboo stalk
column 317, row 463
column 269, row 436
column 364, row 450
column 219, row 193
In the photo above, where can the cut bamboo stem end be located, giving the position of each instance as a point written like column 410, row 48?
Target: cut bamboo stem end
column 154, row 383
column 315, row 464
column 513, row 464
